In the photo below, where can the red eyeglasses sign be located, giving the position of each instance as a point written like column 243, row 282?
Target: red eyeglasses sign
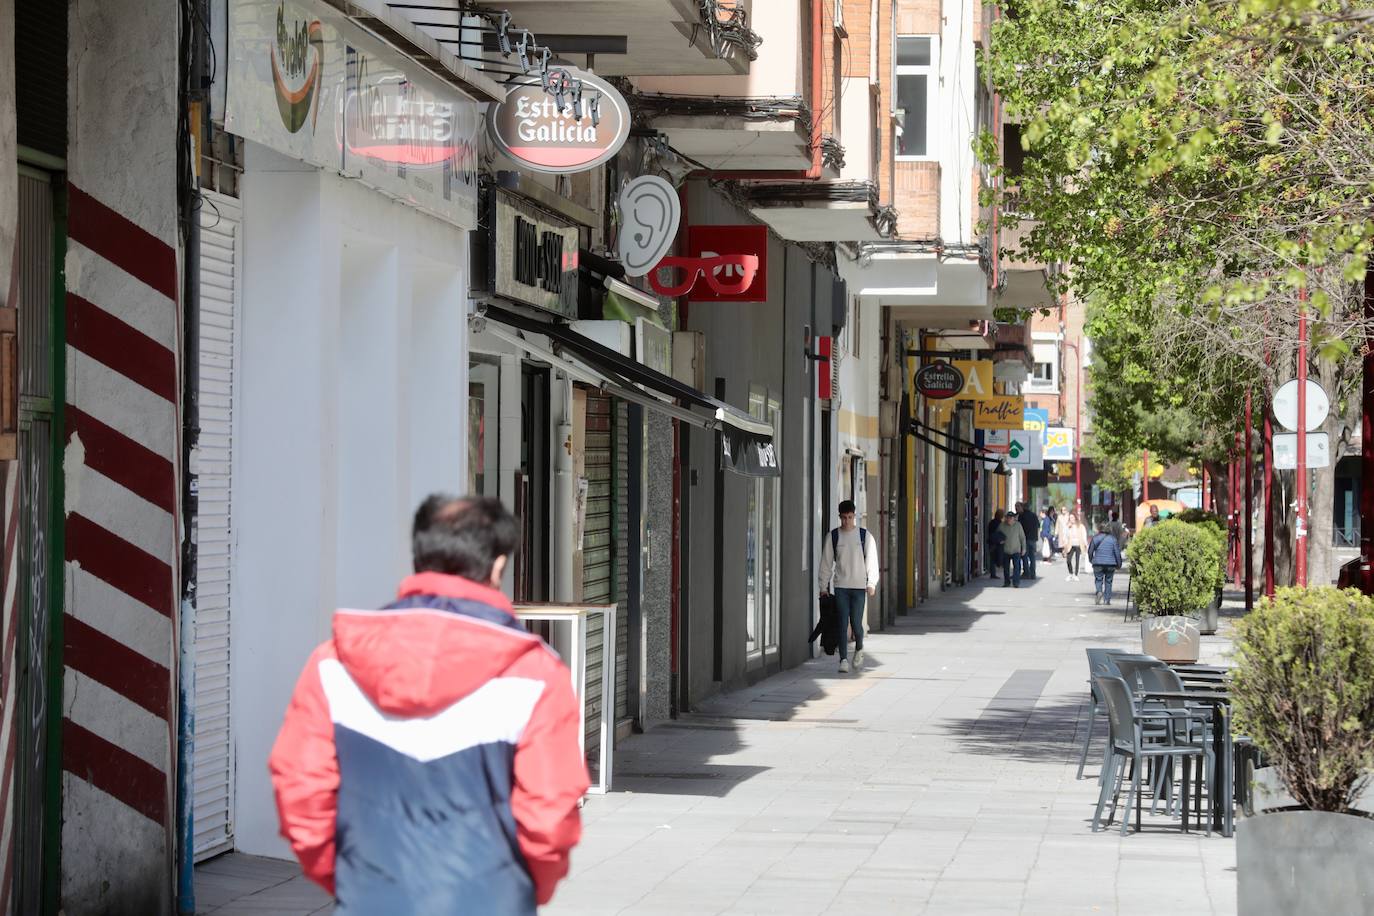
column 722, row 264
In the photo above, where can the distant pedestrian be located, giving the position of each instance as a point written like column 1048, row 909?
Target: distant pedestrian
column 1153, row 518
column 1013, row 549
column 1116, row 529
column 995, row 538
column 1105, row 555
column 849, row 567
column 1074, row 541
column 430, row 758
column 1030, row 524
column 1047, row 534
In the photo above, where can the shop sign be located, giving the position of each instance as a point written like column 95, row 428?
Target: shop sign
column 723, row 264
column 306, row 81
column 1000, row 412
column 1025, row 451
column 748, row 454
column 939, row 381
column 533, row 257
column 978, row 377
column 1058, row 443
column 649, row 216
column 567, row 120
column 1036, row 419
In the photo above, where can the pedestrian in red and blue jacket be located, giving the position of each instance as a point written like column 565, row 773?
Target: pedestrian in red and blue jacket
column 429, row 761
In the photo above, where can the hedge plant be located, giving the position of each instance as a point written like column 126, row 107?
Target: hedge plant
column 1210, row 524
column 1303, row 689
column 1173, row 569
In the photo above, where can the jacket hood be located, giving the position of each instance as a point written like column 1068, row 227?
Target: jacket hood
column 443, row 638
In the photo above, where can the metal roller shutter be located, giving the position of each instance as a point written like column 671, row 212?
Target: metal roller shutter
column 213, row 768
column 621, row 489
column 597, row 546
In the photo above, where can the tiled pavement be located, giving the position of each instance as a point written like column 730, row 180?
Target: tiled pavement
column 940, row 780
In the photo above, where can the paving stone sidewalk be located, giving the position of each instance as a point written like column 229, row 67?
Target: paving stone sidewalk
column 939, row 780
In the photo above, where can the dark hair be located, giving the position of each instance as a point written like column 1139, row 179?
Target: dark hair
column 846, row 506
column 462, row 536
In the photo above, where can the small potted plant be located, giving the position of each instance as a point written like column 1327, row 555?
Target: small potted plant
column 1173, row 578
column 1303, row 690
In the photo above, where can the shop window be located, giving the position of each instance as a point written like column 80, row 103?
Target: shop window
column 484, row 386
column 914, row 80
column 763, row 542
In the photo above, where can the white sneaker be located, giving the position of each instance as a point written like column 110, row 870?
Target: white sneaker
column 858, row 659
column 1068, row 577
column 844, row 666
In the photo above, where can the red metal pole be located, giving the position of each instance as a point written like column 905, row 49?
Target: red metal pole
column 1268, row 435
column 1206, row 491
column 1249, row 509
column 1078, row 428
column 1300, row 560
column 1145, row 482
column 1367, row 442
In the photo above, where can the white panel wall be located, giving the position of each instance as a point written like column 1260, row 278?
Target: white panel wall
column 354, row 401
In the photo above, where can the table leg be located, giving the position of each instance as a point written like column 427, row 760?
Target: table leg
column 1220, row 787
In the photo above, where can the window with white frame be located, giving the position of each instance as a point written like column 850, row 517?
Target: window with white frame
column 1045, row 369
column 914, row 94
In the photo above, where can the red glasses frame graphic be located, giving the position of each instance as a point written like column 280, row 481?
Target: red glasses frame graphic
column 746, row 268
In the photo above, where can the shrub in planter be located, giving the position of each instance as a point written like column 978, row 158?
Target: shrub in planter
column 1173, row 579
column 1173, row 569
column 1303, row 689
column 1210, row 524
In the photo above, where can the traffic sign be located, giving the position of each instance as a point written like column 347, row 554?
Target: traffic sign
column 1286, row 451
column 1286, row 405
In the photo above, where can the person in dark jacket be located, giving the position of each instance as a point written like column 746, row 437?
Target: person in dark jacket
column 995, row 539
column 429, row 761
column 1030, row 524
column 1104, row 553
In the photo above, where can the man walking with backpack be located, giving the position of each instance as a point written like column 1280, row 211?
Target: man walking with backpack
column 429, row 761
column 849, row 568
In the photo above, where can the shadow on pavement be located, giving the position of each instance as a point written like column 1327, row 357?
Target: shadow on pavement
column 1045, row 732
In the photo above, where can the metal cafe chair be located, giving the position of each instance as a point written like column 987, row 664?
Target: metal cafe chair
column 1126, row 722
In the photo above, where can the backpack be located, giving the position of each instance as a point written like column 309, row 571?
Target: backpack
column 835, row 542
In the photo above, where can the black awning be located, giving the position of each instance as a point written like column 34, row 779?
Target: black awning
column 747, row 445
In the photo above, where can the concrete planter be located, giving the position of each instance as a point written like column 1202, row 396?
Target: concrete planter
column 1171, row 639
column 1208, row 624
column 1304, row 862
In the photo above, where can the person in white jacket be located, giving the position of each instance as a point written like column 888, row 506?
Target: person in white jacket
column 849, row 569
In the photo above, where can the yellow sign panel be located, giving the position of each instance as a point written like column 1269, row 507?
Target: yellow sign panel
column 941, row 411
column 977, row 379
column 1000, row 412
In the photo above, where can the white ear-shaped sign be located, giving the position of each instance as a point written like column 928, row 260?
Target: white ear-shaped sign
column 649, row 213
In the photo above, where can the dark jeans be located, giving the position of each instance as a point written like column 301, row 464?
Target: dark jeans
column 1028, row 559
column 1102, row 580
column 1073, row 557
column 1011, row 569
column 849, row 609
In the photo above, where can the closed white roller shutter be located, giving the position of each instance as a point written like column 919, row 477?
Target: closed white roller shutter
column 213, row 768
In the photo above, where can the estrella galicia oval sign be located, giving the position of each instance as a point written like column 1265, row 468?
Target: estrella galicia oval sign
column 543, row 132
column 939, row 381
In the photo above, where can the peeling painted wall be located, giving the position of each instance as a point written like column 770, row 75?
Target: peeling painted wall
column 122, row 454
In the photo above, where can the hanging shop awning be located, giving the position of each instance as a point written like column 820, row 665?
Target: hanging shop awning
column 747, row 445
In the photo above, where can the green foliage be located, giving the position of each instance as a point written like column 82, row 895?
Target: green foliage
column 1189, row 167
column 1210, row 524
column 1303, row 689
column 1173, row 569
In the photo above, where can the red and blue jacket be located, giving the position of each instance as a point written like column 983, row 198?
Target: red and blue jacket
column 429, row 761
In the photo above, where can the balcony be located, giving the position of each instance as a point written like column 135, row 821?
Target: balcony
column 759, row 120
column 819, row 211
column 611, row 38
column 924, row 286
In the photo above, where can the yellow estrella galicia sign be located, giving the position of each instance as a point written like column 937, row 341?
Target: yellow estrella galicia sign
column 977, row 379
column 998, row 412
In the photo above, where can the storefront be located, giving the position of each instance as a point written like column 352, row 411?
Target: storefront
column 334, row 343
